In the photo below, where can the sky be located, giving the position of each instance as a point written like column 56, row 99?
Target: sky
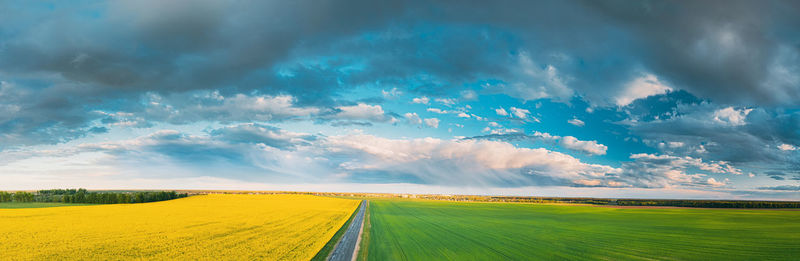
column 637, row 99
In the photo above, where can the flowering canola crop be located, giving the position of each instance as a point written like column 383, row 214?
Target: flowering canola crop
column 207, row 227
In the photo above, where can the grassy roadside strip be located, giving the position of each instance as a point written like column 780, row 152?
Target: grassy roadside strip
column 323, row 253
column 364, row 246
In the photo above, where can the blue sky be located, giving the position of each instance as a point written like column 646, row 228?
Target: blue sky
column 551, row 98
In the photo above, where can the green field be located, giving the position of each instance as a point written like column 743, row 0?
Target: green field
column 37, row 204
column 431, row 230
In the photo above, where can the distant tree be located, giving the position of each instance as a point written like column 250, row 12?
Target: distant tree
column 5, row 196
column 22, row 196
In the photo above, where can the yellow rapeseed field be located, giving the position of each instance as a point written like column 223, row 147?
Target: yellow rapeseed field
column 208, row 227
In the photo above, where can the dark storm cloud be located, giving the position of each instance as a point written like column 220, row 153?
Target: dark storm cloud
column 755, row 138
column 742, row 53
column 112, row 53
column 28, row 117
column 178, row 45
column 181, row 45
column 776, row 175
column 105, row 56
column 729, row 51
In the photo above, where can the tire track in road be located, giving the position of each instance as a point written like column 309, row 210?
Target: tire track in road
column 345, row 249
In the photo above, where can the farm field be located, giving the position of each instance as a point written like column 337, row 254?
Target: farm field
column 208, row 227
column 435, row 230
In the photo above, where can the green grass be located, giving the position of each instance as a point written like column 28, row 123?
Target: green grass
column 37, row 204
column 434, row 230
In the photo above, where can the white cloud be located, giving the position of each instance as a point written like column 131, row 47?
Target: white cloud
column 261, row 134
column 302, row 157
column 421, row 100
column 394, row 92
column 501, row 112
column 591, row 147
column 714, row 183
column 731, row 116
column 546, row 136
column 675, row 144
column 572, row 143
column 432, row 122
column 588, row 182
column 519, row 113
column 446, row 101
column 283, row 104
column 413, row 118
column 437, row 110
column 205, row 106
column 469, row 95
column 501, row 131
column 659, row 171
column 576, row 122
column 496, row 128
column 642, row 87
column 458, row 113
column 701, row 149
column 232, row 152
column 685, row 162
column 124, row 119
column 612, row 183
column 787, row 147
column 464, row 160
column 362, row 111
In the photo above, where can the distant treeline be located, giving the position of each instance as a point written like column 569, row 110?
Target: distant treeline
column 649, row 202
column 593, row 201
column 656, row 202
column 708, row 203
column 522, row 199
column 84, row 196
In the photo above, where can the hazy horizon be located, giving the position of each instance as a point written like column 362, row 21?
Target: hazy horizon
column 642, row 99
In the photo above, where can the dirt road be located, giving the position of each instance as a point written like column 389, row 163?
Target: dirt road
column 345, row 249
